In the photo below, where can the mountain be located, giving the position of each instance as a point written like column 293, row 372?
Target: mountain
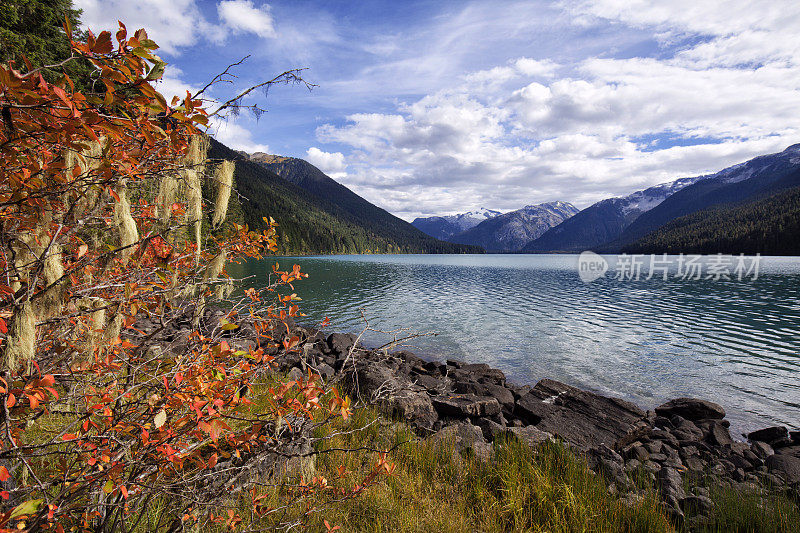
column 511, row 231
column 756, row 179
column 316, row 214
column 603, row 221
column 447, row 226
column 612, row 224
column 769, row 226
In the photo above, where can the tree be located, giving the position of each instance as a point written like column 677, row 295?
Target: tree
column 32, row 30
column 122, row 397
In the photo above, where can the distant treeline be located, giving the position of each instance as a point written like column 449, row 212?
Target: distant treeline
column 770, row 226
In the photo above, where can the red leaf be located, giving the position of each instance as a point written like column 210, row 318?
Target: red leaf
column 3, row 327
column 4, row 475
column 103, row 44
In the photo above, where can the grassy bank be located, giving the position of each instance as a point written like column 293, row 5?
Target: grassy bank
column 435, row 488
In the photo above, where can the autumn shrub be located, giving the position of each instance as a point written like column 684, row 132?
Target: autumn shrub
column 107, row 425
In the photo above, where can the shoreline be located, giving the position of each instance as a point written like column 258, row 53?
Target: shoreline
column 682, row 443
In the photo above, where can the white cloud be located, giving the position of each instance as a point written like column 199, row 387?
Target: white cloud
column 243, row 16
column 176, row 24
column 329, row 162
column 236, row 136
column 720, row 90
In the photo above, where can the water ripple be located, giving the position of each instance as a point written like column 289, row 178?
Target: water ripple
column 736, row 342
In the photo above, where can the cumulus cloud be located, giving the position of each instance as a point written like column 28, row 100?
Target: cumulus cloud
column 176, row 24
column 718, row 90
column 234, row 135
column 329, row 163
column 243, row 16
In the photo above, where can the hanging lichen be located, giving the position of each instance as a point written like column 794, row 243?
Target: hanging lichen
column 194, row 168
column 126, row 225
column 20, row 344
column 223, row 179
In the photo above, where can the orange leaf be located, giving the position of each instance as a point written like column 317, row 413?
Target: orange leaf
column 103, row 43
column 11, row 401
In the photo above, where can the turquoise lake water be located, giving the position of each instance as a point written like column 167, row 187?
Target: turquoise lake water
column 733, row 341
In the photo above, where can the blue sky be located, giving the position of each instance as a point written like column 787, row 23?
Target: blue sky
column 442, row 107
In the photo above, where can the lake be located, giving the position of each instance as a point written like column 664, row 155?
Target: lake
column 733, row 341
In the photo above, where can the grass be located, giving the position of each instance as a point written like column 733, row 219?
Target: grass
column 435, row 488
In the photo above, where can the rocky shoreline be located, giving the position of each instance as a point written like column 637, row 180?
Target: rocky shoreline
column 680, row 448
column 684, row 442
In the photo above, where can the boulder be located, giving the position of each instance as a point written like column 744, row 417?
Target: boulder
column 691, row 409
column 461, row 434
column 786, row 466
column 502, row 394
column 466, row 405
column 769, row 435
column 392, row 392
column 583, row 419
column 720, row 435
column 529, row 435
column 341, row 342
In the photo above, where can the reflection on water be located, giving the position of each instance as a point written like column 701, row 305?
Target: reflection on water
column 734, row 342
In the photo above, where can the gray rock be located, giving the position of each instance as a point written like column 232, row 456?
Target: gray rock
column 530, row 435
column 762, row 449
column 461, row 434
column 490, row 428
column 341, row 342
column 671, row 487
column 296, row 374
column 691, row 409
column 769, row 435
column 502, row 394
column 632, row 464
column 694, row 463
column 326, row 371
column 466, row 405
column 430, row 383
column 581, row 418
column 786, row 466
column 789, row 450
column 654, row 446
column 394, row 393
column 720, row 435
column 696, row 503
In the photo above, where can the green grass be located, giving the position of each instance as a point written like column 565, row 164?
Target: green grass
column 435, row 488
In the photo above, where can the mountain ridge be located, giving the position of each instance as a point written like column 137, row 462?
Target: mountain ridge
column 510, row 231
column 446, row 226
column 612, row 223
column 316, row 214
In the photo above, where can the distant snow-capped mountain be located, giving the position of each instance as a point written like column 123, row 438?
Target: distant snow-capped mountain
column 511, row 231
column 622, row 220
column 445, row 227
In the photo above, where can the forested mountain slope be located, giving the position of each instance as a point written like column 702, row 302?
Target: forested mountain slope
column 321, row 219
column 769, row 226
